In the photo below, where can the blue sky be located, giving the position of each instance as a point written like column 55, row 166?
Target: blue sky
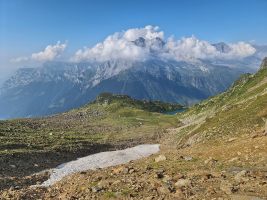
column 28, row 26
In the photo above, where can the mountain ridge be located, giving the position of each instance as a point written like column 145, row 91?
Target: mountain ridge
column 51, row 88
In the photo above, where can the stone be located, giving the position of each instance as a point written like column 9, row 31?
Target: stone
column 226, row 187
column 255, row 135
column 159, row 174
column 210, row 161
column 162, row 190
column 12, row 166
column 170, row 187
column 11, row 188
column 126, row 170
column 188, row 158
column 240, row 177
column 231, row 139
column 103, row 184
column 178, row 194
column 148, row 168
column 160, row 158
column 118, row 170
column 209, row 176
column 116, row 182
column 96, row 189
column 183, row 183
column 179, row 176
column 17, row 187
column 166, row 179
column 234, row 159
column 210, row 190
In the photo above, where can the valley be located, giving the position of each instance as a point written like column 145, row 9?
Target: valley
column 214, row 150
column 111, row 122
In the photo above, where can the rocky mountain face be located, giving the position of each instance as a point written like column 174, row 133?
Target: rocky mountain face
column 58, row 86
column 222, row 47
column 264, row 64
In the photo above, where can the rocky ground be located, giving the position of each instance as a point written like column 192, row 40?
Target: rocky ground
column 28, row 146
column 232, row 169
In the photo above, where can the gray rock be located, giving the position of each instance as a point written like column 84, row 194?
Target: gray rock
column 188, row 158
column 96, row 189
column 240, row 177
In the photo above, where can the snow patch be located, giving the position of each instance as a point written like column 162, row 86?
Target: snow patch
column 101, row 160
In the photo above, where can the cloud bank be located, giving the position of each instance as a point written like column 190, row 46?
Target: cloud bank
column 140, row 44
column 120, row 46
column 50, row 53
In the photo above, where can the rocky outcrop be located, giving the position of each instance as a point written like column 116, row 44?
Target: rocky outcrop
column 264, row 63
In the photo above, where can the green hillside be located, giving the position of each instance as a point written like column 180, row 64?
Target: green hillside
column 240, row 110
column 111, row 122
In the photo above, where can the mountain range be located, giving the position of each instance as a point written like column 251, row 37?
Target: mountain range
column 59, row 86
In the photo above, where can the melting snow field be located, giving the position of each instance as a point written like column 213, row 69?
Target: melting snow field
column 101, row 160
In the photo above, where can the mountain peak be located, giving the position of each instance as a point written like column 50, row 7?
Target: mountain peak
column 222, row 47
column 141, row 42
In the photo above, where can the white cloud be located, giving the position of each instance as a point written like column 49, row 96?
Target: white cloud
column 189, row 48
column 112, row 48
column 148, row 32
column 240, row 50
column 121, row 45
column 50, row 53
column 139, row 44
